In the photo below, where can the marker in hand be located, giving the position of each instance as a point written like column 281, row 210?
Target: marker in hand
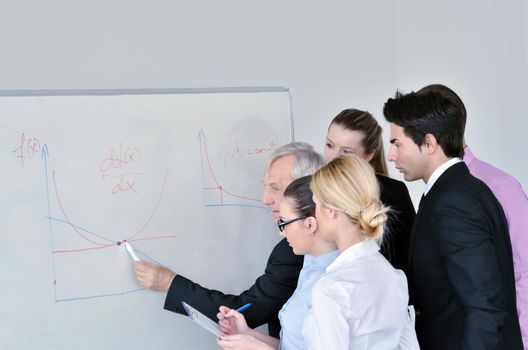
column 132, row 252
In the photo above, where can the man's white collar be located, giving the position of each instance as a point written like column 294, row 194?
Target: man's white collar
column 438, row 172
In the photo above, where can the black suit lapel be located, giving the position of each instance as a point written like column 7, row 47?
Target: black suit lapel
column 416, row 224
column 454, row 170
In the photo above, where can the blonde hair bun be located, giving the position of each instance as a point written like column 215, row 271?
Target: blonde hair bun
column 371, row 220
column 348, row 184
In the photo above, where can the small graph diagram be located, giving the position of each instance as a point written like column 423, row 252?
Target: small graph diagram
column 215, row 193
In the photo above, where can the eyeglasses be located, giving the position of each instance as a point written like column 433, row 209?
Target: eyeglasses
column 281, row 223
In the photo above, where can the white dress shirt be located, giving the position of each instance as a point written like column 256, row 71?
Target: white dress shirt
column 360, row 303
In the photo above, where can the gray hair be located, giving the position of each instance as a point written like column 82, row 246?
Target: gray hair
column 307, row 161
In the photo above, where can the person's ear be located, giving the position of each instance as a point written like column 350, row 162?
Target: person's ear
column 369, row 155
column 311, row 224
column 430, row 144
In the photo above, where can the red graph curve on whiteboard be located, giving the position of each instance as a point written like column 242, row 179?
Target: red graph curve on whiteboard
column 66, row 216
column 217, row 186
column 154, row 210
column 105, row 245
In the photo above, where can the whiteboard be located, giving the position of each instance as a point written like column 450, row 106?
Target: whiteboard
column 178, row 173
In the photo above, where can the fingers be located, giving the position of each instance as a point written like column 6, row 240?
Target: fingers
column 226, row 326
column 228, row 341
column 224, row 343
column 238, row 341
column 153, row 276
column 232, row 313
column 223, row 309
column 140, row 268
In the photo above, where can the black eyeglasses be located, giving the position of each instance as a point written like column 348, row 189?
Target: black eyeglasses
column 281, row 223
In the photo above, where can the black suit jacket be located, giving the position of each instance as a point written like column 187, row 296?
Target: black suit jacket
column 395, row 244
column 461, row 269
column 267, row 295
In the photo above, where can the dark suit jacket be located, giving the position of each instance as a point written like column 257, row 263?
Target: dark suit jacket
column 395, row 244
column 267, row 295
column 460, row 267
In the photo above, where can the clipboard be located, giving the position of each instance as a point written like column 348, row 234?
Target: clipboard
column 202, row 320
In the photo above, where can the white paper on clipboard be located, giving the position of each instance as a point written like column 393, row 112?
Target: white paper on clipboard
column 202, row 320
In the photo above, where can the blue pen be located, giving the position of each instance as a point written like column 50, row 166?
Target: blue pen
column 243, row 307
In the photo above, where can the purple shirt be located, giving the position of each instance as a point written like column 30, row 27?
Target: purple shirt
column 514, row 201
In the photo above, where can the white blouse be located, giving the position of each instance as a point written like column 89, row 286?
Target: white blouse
column 360, row 303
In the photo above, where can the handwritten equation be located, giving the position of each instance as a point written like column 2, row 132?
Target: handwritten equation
column 27, row 148
column 239, row 150
column 118, row 168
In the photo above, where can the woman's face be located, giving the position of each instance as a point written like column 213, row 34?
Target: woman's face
column 340, row 140
column 298, row 233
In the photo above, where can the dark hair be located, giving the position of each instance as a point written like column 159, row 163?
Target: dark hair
column 446, row 93
column 355, row 119
column 301, row 196
column 428, row 113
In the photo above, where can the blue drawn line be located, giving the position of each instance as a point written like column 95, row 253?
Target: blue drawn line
column 45, row 155
column 81, row 228
column 99, row 296
column 200, row 137
column 102, row 237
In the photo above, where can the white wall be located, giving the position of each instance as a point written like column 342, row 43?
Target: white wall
column 332, row 54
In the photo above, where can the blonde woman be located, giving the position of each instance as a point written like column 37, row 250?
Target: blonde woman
column 361, row 300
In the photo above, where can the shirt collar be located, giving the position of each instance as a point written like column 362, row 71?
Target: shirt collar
column 354, row 252
column 439, row 171
column 321, row 260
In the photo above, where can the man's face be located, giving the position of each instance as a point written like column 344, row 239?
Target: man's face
column 406, row 155
column 277, row 178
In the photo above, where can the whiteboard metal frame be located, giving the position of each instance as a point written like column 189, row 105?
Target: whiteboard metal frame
column 154, row 91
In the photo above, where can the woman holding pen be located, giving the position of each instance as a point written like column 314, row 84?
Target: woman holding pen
column 298, row 224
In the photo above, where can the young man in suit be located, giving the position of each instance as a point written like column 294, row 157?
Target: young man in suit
column 271, row 290
column 513, row 200
column 460, row 261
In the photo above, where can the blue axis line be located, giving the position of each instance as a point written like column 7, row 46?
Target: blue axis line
column 100, row 295
column 45, row 155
